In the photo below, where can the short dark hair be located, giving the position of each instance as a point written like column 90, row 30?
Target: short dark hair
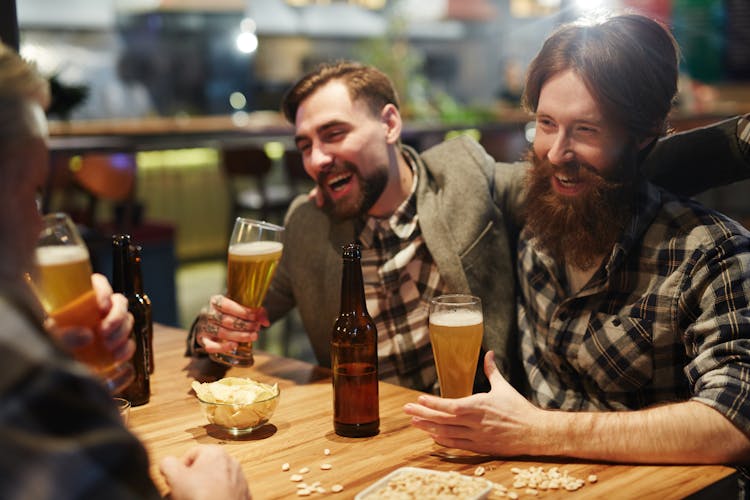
column 364, row 82
column 630, row 63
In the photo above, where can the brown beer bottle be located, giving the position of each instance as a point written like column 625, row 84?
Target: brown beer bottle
column 138, row 287
column 139, row 391
column 354, row 356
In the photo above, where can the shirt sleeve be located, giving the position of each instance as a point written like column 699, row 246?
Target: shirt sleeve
column 716, row 307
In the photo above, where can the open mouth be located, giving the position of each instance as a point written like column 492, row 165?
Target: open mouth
column 567, row 184
column 339, row 182
column 567, row 181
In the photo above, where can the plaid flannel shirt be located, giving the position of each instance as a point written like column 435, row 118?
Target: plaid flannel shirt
column 666, row 318
column 60, row 434
column 400, row 278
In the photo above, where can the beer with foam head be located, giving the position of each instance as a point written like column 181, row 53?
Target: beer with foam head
column 250, row 268
column 63, row 276
column 62, row 283
column 254, row 251
column 456, row 329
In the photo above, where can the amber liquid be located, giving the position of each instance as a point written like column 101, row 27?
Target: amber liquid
column 456, row 338
column 63, row 274
column 356, row 412
column 250, row 269
column 63, row 285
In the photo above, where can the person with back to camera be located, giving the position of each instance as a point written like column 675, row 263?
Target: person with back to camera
column 60, row 433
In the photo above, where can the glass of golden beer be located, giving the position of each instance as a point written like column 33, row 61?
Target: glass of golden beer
column 254, row 252
column 62, row 282
column 456, row 328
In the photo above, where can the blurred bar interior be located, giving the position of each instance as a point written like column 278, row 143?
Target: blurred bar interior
column 170, row 95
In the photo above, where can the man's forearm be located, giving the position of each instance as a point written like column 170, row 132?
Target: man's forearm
column 688, row 432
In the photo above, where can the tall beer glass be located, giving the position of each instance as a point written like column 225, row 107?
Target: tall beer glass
column 254, row 252
column 456, row 328
column 62, row 282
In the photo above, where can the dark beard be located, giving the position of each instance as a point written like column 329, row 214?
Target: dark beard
column 371, row 189
column 579, row 230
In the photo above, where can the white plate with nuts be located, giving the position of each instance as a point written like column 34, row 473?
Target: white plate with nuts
column 424, row 484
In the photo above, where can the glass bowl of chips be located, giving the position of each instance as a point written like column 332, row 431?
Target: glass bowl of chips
column 237, row 405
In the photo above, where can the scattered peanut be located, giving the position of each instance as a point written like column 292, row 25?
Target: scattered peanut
column 537, row 478
column 532, row 481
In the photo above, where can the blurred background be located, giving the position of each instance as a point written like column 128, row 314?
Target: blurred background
column 180, row 99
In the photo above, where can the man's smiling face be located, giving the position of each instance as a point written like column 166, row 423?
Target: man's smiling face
column 573, row 133
column 580, row 189
column 344, row 149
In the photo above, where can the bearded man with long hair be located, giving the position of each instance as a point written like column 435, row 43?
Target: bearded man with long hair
column 634, row 307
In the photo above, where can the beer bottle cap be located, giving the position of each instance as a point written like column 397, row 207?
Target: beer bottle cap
column 352, row 251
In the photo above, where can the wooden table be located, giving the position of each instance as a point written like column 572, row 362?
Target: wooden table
column 302, row 428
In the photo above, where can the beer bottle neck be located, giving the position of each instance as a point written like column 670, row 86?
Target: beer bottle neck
column 352, row 288
column 122, row 267
column 137, row 275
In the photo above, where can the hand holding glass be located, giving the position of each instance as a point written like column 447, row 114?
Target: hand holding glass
column 62, row 282
column 456, row 329
column 254, row 252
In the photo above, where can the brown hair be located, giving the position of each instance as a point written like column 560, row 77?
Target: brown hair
column 628, row 62
column 364, row 82
column 20, row 84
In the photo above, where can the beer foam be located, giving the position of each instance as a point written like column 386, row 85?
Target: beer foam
column 456, row 318
column 256, row 248
column 60, row 254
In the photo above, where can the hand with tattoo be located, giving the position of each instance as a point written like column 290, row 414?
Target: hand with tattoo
column 225, row 322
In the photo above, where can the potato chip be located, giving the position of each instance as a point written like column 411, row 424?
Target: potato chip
column 234, row 390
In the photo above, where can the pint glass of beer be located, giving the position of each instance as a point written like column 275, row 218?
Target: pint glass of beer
column 456, row 328
column 62, row 282
column 254, row 252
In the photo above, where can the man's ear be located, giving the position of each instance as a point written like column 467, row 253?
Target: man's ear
column 391, row 119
